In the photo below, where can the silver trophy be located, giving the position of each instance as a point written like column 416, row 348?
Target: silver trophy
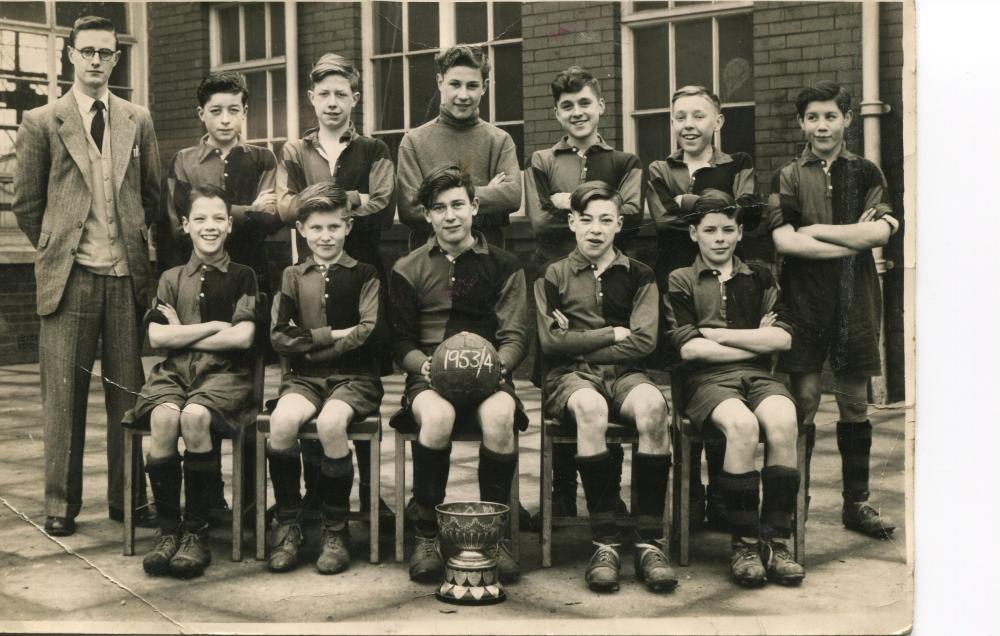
column 470, row 576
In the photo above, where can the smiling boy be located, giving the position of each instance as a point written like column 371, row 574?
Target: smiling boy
column 456, row 282
column 597, row 321
column 204, row 315
column 334, row 152
column 725, row 319
column 829, row 209
column 458, row 137
column 327, row 320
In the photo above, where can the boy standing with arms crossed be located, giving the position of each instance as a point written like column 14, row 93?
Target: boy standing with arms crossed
column 725, row 319
column 458, row 137
column 828, row 210
column 597, row 321
column 581, row 155
column 334, row 152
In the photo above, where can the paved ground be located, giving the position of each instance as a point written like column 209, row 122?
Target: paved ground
column 82, row 583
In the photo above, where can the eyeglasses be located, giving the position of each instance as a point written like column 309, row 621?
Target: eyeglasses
column 88, row 53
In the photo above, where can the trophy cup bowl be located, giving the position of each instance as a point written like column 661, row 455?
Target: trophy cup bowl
column 470, row 576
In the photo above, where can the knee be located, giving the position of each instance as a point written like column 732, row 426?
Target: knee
column 436, row 426
column 651, row 414
column 497, row 424
column 782, row 432
column 741, row 429
column 195, row 419
column 284, row 429
column 590, row 410
column 333, row 424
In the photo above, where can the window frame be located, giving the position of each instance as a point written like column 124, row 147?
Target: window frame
column 633, row 19
column 447, row 36
column 283, row 62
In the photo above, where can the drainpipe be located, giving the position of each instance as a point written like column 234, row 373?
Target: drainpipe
column 872, row 108
column 292, row 87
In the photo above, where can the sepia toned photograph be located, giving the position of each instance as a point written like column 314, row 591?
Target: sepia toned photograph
column 457, row 317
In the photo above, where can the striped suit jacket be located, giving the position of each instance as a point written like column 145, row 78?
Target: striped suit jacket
column 52, row 195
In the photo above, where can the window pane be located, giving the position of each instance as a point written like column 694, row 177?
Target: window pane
column 423, row 25
column 277, row 29
column 484, row 106
column 738, row 133
column 24, row 54
column 392, row 140
column 257, row 115
column 276, row 147
column 388, row 18
column 516, row 131
column 470, row 22
column 120, row 75
column 68, row 12
column 279, row 112
column 650, row 5
column 694, row 53
column 424, row 97
column 506, row 20
column 23, row 11
column 124, row 93
column 254, row 30
column 229, row 34
column 508, row 91
column 17, row 96
column 736, row 58
column 652, row 68
column 389, row 94
column 65, row 68
column 652, row 137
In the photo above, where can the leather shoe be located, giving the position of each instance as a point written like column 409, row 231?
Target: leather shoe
column 144, row 516
column 60, row 526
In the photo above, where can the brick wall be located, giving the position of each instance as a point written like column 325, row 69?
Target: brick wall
column 326, row 27
column 178, row 60
column 18, row 320
column 558, row 35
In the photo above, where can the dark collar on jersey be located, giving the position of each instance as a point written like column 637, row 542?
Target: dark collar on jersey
column 579, row 262
column 346, row 260
column 311, row 136
column 808, row 156
column 739, row 267
column 479, row 247
column 564, row 145
column 195, row 263
column 718, row 157
column 205, row 150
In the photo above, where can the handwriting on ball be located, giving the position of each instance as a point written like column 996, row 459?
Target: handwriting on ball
column 469, row 359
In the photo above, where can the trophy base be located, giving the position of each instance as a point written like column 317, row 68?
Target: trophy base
column 475, row 585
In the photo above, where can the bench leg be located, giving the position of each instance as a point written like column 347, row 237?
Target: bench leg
column 237, row 479
column 546, row 479
column 515, row 504
column 685, row 517
column 633, row 493
column 400, row 464
column 261, row 504
column 128, row 527
column 800, row 504
column 374, row 496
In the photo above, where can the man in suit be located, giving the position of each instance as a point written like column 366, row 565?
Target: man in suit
column 85, row 189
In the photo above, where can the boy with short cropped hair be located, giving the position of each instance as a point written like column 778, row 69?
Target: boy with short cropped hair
column 597, row 321
column 334, row 152
column 457, row 136
column 829, row 209
column 246, row 173
column 221, row 158
column 674, row 185
column 327, row 320
column 204, row 315
column 456, row 282
column 725, row 318
column 580, row 155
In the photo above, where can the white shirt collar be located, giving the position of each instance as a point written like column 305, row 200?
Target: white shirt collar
column 85, row 102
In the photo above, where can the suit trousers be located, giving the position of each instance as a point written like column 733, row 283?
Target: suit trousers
column 92, row 307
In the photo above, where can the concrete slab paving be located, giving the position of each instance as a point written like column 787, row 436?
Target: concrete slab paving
column 83, row 583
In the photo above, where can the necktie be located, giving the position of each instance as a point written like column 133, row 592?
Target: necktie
column 97, row 126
